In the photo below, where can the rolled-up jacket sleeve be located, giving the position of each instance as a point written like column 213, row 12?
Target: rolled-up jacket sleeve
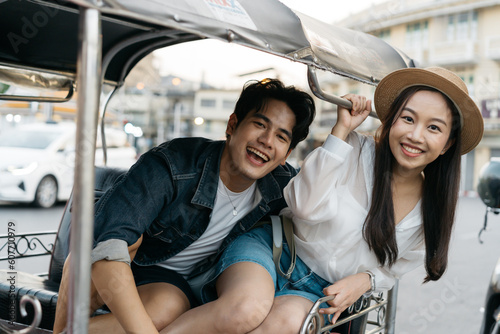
column 111, row 250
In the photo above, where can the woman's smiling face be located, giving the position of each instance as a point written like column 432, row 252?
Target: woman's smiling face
column 421, row 132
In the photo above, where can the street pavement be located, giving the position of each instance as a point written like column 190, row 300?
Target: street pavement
column 454, row 303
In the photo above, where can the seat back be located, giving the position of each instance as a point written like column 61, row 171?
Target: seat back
column 105, row 177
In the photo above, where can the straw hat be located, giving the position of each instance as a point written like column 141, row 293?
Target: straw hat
column 447, row 83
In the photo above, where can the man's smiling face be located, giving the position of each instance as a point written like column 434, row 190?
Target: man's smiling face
column 257, row 146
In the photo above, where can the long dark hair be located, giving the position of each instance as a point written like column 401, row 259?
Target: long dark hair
column 439, row 197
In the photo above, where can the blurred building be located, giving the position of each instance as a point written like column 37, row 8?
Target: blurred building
column 212, row 108
column 460, row 35
column 13, row 113
column 138, row 102
column 177, row 120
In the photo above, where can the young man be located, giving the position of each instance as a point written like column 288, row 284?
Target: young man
column 182, row 204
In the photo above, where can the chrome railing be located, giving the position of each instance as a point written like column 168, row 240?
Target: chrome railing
column 384, row 307
column 26, row 245
column 37, row 318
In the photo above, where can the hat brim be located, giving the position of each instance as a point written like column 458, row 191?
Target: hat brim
column 396, row 82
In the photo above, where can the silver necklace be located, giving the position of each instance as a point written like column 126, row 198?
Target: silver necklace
column 235, row 212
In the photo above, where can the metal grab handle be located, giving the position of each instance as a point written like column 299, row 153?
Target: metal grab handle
column 312, row 79
column 39, row 98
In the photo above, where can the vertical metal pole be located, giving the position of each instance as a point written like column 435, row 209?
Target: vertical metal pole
column 89, row 89
column 392, row 303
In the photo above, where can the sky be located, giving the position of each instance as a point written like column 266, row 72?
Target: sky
column 214, row 60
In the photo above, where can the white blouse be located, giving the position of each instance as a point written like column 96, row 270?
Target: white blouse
column 329, row 200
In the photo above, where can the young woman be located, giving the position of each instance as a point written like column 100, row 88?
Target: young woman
column 365, row 210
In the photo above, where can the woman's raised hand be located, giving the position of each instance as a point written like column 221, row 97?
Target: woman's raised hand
column 348, row 120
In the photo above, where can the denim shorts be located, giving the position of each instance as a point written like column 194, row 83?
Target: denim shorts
column 256, row 246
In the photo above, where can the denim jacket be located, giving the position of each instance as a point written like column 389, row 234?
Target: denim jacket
column 168, row 197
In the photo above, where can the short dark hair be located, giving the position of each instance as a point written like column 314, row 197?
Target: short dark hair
column 256, row 94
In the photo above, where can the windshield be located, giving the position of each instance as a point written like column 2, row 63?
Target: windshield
column 28, row 139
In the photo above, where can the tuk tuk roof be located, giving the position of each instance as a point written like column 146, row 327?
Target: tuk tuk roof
column 43, row 34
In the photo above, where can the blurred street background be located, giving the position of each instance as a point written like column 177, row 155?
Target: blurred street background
column 454, row 303
column 191, row 89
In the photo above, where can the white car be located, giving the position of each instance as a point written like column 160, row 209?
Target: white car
column 37, row 161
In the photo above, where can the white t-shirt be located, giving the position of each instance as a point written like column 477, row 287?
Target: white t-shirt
column 330, row 199
column 221, row 222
